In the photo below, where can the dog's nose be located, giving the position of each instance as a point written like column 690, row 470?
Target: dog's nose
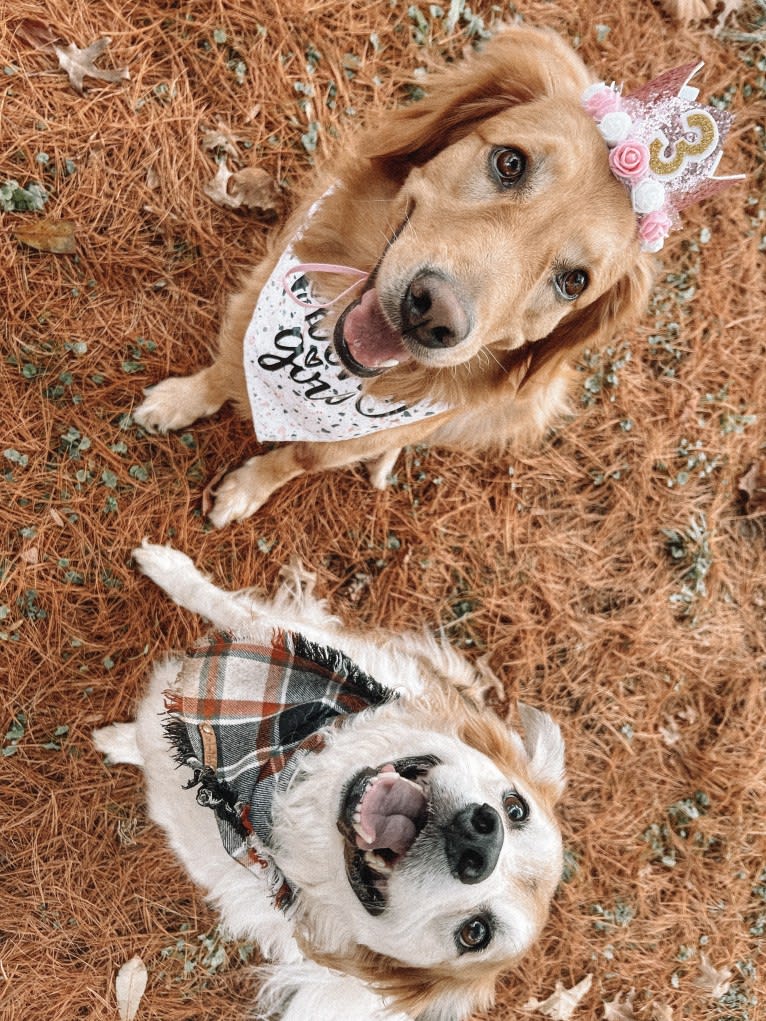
column 433, row 313
column 473, row 839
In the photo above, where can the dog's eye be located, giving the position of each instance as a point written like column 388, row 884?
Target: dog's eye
column 473, row 935
column 509, row 165
column 571, row 284
column 515, row 807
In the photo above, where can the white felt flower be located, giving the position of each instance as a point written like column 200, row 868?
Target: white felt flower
column 648, row 196
column 615, row 127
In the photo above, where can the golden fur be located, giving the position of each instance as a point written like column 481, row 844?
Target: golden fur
column 420, row 179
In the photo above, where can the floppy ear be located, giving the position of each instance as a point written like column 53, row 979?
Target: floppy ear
column 592, row 326
column 518, row 65
column 544, row 746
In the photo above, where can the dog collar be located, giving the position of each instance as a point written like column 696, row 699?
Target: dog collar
column 663, row 146
column 297, row 387
column 243, row 715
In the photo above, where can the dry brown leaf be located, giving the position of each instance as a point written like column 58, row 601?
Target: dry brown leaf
column 217, row 188
column 753, row 485
column 129, row 987
column 661, row 1012
column 79, row 64
column 616, row 1011
column 729, row 7
column 250, row 187
column 714, row 982
column 55, row 236
column 31, row 555
column 255, row 189
column 561, row 1004
column 684, row 11
column 36, row 33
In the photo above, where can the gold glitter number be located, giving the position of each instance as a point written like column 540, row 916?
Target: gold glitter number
column 684, row 150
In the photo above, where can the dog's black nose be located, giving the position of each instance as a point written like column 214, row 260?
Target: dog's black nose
column 433, row 313
column 473, row 839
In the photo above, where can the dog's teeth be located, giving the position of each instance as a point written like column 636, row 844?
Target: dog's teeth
column 389, row 364
column 376, row 862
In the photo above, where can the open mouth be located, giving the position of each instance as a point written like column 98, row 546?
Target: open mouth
column 383, row 812
column 364, row 339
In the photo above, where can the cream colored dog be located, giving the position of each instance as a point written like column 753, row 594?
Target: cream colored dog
column 388, row 841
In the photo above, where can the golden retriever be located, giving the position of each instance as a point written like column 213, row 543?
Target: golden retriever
column 388, row 842
column 491, row 243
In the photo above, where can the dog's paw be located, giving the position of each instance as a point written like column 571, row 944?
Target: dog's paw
column 162, row 564
column 379, row 468
column 239, row 495
column 172, row 404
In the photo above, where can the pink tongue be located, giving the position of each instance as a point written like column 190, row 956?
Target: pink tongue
column 388, row 812
column 368, row 335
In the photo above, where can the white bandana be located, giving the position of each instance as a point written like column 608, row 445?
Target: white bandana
column 293, row 373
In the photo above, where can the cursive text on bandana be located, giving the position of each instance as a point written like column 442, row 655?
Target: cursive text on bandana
column 295, row 382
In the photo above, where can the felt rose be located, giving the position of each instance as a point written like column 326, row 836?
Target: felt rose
column 653, row 230
column 615, row 127
column 648, row 196
column 629, row 160
column 601, row 100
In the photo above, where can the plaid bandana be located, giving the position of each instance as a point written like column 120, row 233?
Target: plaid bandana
column 243, row 715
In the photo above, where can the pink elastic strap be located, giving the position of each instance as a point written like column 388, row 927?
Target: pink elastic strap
column 322, row 267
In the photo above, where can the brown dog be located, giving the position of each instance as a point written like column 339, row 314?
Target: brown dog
column 494, row 242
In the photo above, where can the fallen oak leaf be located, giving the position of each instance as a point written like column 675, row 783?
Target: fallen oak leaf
column 250, row 187
column 661, row 1012
column 753, row 485
column 79, row 64
column 36, row 33
column 684, row 11
column 129, row 987
column 616, row 1011
column 714, row 982
column 255, row 189
column 561, row 1004
column 55, row 236
column 729, row 7
column 217, row 188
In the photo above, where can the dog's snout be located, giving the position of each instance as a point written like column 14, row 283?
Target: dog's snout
column 433, row 313
column 473, row 839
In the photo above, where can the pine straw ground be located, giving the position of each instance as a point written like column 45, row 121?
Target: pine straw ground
column 616, row 576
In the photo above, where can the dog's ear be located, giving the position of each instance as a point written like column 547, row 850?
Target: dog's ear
column 592, row 326
column 544, row 747
column 518, row 65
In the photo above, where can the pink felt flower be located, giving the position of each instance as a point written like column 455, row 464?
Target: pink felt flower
column 654, row 228
column 602, row 101
column 629, row 160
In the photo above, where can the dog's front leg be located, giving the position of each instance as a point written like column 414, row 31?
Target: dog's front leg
column 245, row 490
column 177, row 575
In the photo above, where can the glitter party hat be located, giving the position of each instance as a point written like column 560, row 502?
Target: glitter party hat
column 663, row 145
